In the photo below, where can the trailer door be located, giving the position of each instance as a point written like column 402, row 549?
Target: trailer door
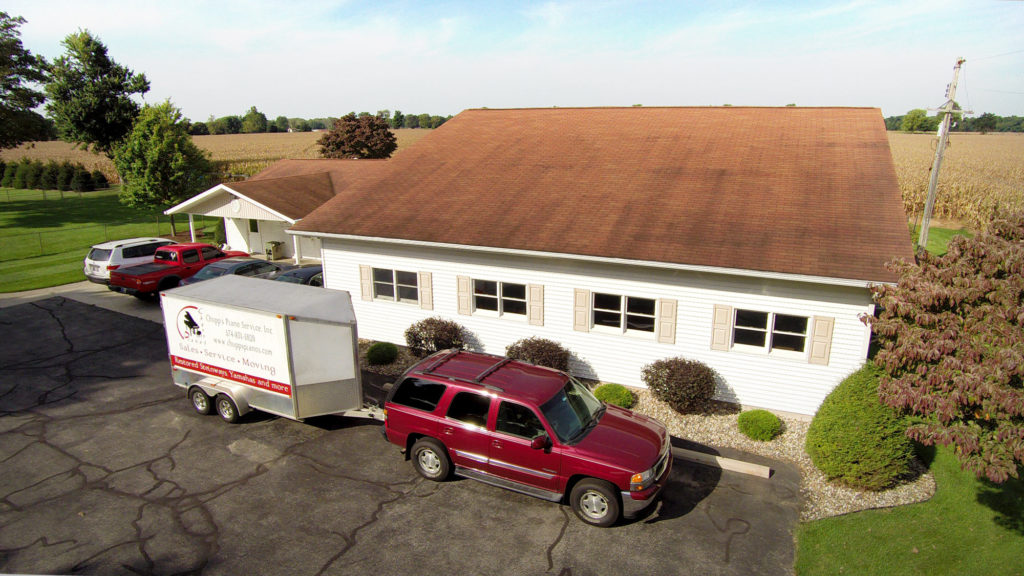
column 325, row 365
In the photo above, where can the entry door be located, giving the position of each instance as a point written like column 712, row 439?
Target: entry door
column 255, row 242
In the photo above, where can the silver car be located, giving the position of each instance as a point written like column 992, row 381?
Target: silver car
column 103, row 258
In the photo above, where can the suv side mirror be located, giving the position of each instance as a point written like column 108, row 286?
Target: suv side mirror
column 540, row 442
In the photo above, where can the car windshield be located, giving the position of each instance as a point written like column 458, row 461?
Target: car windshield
column 209, row 272
column 572, row 412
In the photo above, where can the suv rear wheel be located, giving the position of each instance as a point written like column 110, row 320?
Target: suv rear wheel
column 595, row 502
column 431, row 459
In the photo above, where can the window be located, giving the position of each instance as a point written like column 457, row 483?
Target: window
column 770, row 331
column 518, row 420
column 190, row 256
column 209, row 253
column 499, row 297
column 254, row 226
column 395, row 285
column 419, row 394
column 470, row 408
column 624, row 313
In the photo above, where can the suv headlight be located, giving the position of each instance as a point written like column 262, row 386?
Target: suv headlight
column 641, row 481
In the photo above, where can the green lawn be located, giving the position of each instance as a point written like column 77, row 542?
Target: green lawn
column 44, row 238
column 969, row 527
column 938, row 238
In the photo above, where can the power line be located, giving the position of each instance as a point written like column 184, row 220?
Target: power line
column 997, row 55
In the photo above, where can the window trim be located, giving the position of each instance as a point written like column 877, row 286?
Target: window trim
column 395, row 285
column 500, row 298
column 769, row 332
column 624, row 314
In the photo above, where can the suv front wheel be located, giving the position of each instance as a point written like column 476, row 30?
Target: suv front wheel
column 595, row 502
column 431, row 459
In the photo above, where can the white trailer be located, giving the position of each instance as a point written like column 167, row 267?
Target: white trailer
column 238, row 344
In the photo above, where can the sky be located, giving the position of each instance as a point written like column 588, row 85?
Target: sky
column 318, row 58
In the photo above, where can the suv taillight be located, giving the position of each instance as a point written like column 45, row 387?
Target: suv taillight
column 113, row 266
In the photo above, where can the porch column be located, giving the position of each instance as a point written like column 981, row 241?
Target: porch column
column 297, row 249
column 192, row 226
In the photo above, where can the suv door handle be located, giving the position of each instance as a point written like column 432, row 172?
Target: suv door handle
column 496, row 443
column 449, row 430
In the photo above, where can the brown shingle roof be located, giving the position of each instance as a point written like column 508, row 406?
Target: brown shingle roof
column 295, row 188
column 793, row 190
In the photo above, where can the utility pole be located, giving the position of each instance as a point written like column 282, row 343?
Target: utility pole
column 947, row 120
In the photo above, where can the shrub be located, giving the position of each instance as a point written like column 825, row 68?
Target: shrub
column 99, row 179
column 540, row 351
column 381, row 353
column 857, row 440
column 759, row 425
column 685, row 385
column 34, row 176
column 8, row 179
column 616, row 394
column 48, row 179
column 432, row 334
column 81, row 180
column 64, row 175
column 21, row 175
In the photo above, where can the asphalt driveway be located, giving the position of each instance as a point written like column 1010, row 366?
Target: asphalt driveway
column 107, row 469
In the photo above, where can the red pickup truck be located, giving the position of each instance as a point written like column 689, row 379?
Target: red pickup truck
column 171, row 264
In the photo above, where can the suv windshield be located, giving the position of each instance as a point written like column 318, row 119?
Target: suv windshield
column 572, row 412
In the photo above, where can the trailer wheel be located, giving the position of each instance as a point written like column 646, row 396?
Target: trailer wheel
column 227, row 409
column 200, row 401
column 431, row 459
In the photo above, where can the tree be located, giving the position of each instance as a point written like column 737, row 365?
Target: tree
column 916, row 121
column 354, row 137
column 225, row 125
column 18, row 69
column 985, row 123
column 398, row 119
column 424, row 121
column 952, row 346
column 158, row 163
column 254, row 121
column 199, row 129
column 411, row 121
column 282, row 123
column 90, row 94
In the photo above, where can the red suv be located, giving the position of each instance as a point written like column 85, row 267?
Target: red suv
column 530, row 429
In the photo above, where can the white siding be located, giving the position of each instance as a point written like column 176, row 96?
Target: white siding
column 778, row 383
column 236, row 233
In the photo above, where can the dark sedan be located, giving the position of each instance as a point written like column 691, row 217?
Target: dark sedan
column 310, row 275
column 241, row 266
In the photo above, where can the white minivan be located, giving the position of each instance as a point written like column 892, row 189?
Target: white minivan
column 103, row 258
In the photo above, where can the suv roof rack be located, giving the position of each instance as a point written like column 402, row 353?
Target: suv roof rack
column 448, row 355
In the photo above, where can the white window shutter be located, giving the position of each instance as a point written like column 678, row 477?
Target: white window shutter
column 821, row 340
column 721, row 327
column 666, row 321
column 426, row 290
column 366, row 282
column 581, row 310
column 465, row 290
column 535, row 304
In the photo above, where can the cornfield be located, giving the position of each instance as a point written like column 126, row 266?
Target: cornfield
column 980, row 175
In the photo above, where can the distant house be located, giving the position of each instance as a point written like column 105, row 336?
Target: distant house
column 259, row 210
column 745, row 238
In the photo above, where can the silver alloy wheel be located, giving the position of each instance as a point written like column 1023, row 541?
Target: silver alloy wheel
column 429, row 462
column 594, row 504
column 201, row 402
column 225, row 408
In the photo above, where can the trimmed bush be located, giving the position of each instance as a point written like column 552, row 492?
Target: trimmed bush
column 540, row 351
column 9, row 171
column 855, row 439
column 381, row 353
column 99, row 179
column 432, row 334
column 34, row 176
column 48, row 179
column 685, row 385
column 616, row 394
column 81, row 180
column 759, row 425
column 64, row 175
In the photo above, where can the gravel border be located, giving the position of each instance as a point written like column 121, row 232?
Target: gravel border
column 820, row 498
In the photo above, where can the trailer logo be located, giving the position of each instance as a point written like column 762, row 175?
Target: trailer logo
column 188, row 323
